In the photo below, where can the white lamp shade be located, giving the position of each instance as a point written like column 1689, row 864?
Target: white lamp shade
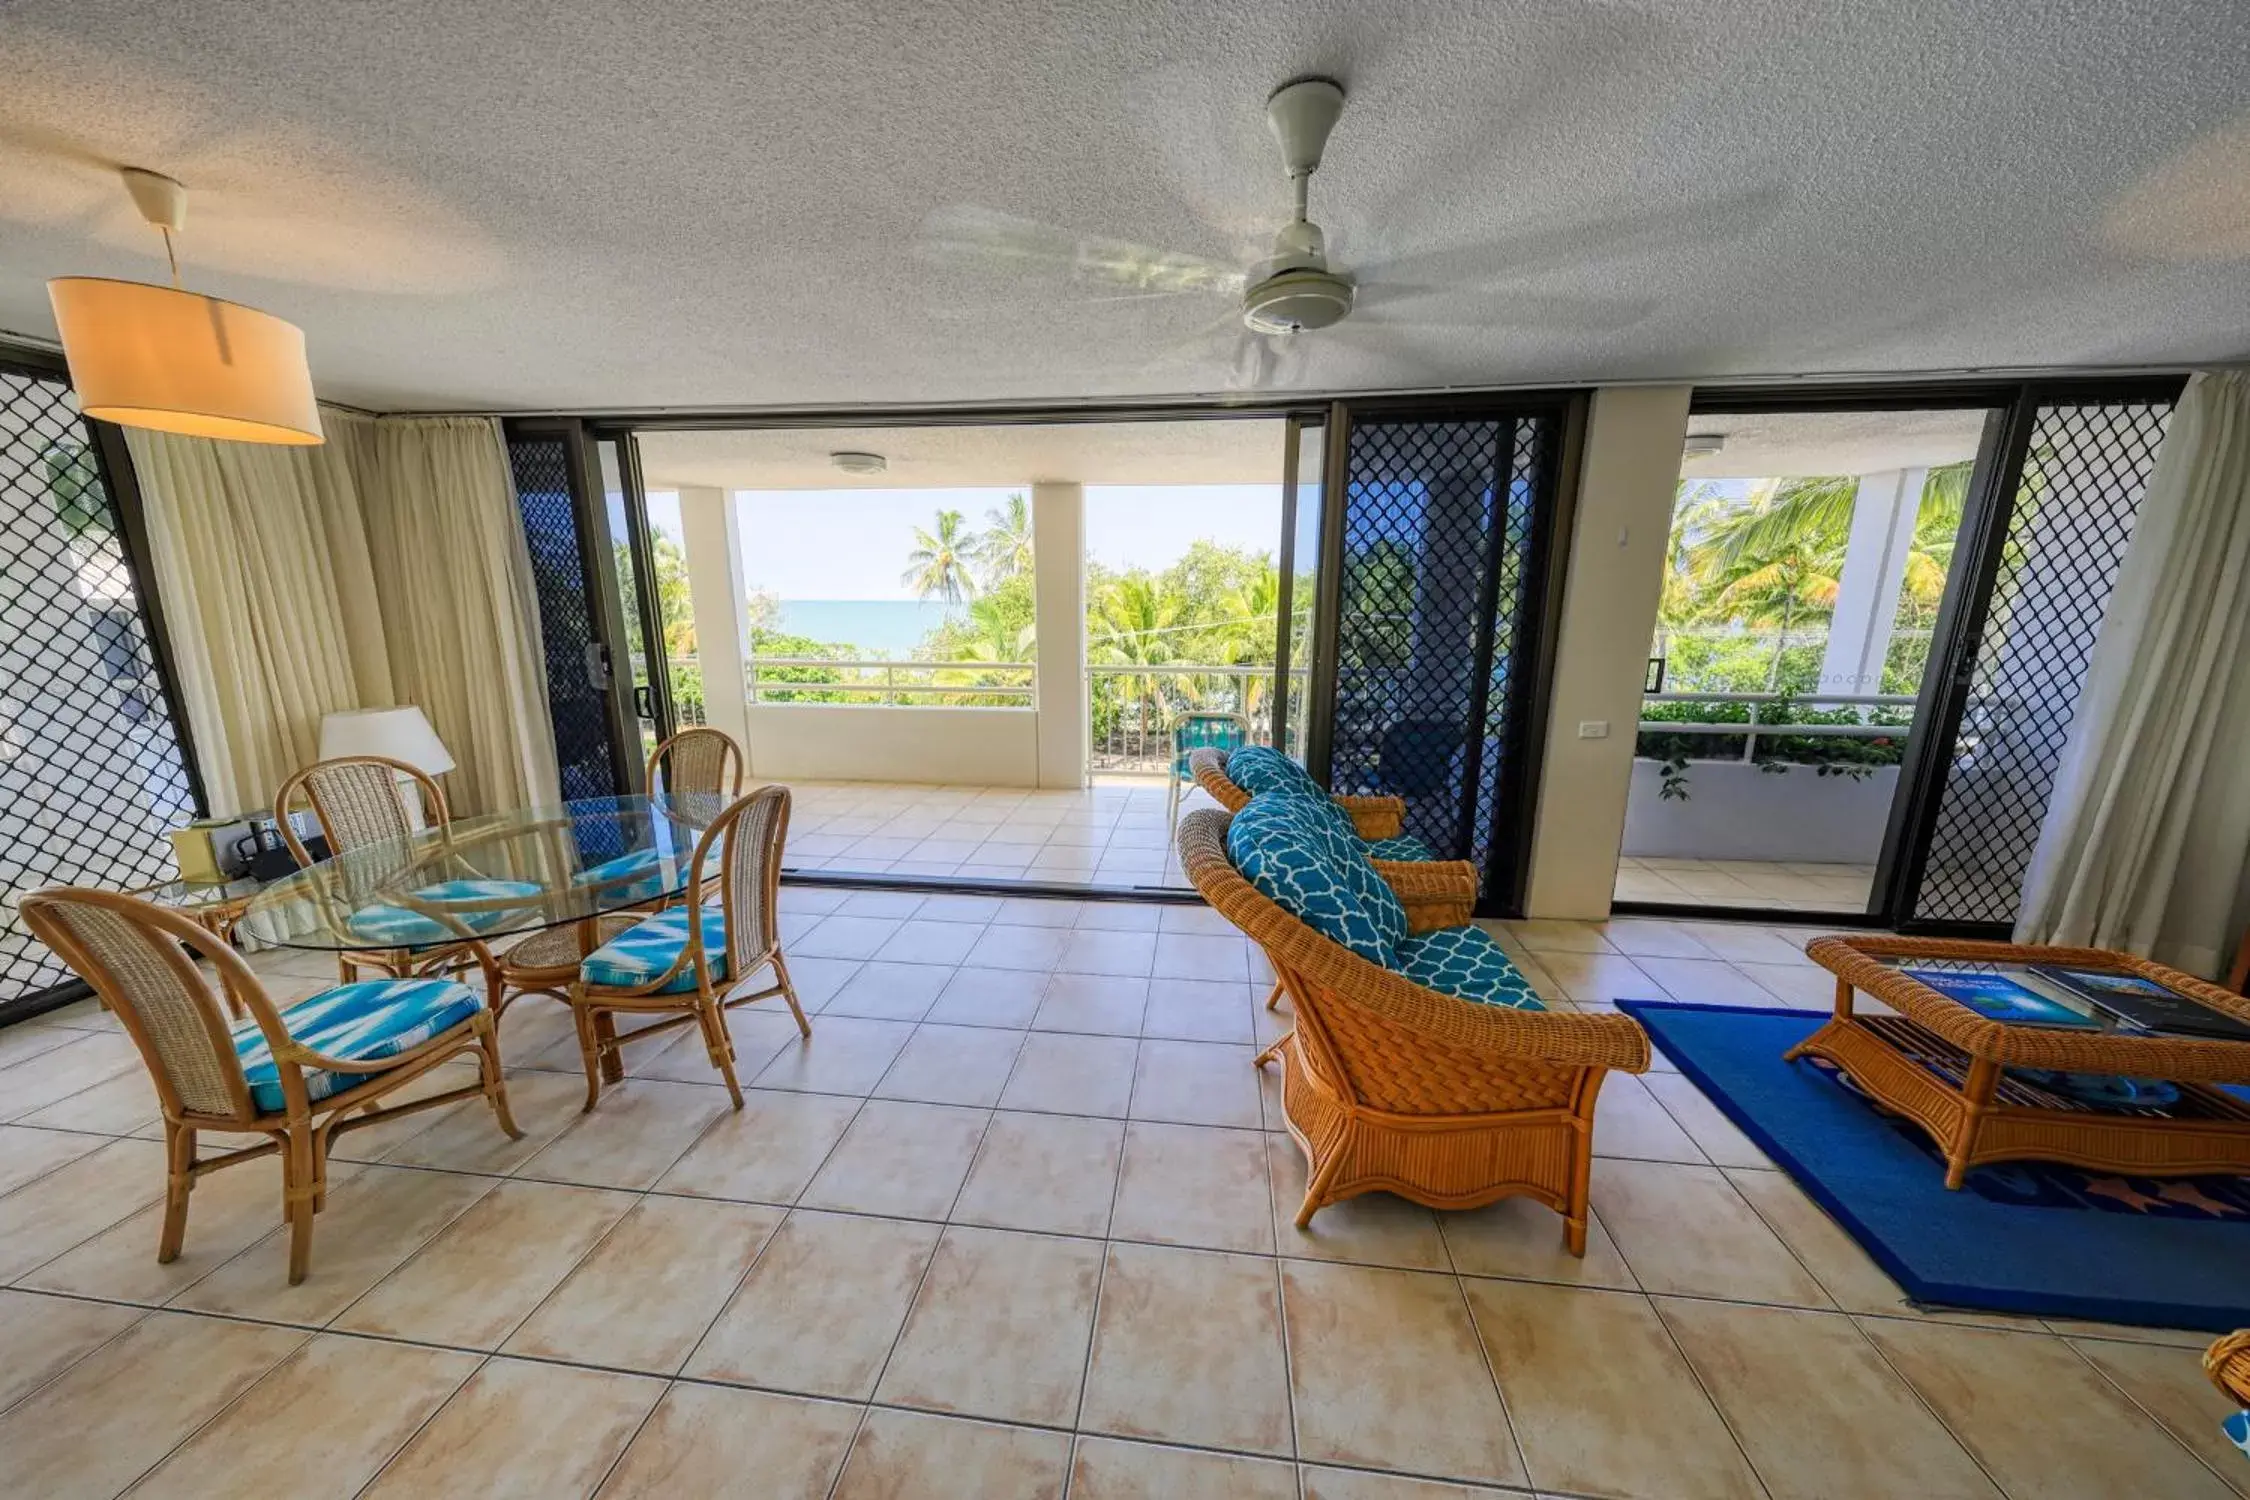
column 401, row 734
column 153, row 356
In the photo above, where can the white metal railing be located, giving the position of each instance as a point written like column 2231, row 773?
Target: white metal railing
column 1748, row 730
column 1133, row 707
column 895, row 684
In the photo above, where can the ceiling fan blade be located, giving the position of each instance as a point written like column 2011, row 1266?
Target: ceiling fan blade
column 1476, row 306
column 987, row 239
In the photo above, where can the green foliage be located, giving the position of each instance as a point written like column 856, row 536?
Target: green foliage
column 939, row 566
column 1827, row 755
column 74, row 487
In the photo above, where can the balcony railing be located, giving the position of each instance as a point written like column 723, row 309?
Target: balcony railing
column 1875, row 716
column 891, row 684
column 1133, row 708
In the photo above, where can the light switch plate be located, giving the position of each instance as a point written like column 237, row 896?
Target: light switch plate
column 1593, row 729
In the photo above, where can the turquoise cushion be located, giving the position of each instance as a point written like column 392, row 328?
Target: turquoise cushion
column 1404, row 848
column 644, row 951
column 402, row 927
column 1296, row 860
column 1261, row 768
column 2237, row 1429
column 1466, row 963
column 639, row 876
column 362, row 1022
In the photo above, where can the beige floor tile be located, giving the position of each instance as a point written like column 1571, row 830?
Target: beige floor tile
column 642, row 1297
column 28, row 1039
column 79, row 1063
column 520, row 1428
column 1388, row 1373
column 1522, row 1240
column 768, row 1152
column 990, row 997
column 900, row 1454
column 26, row 1154
column 1357, row 1484
column 818, row 979
column 466, row 1137
column 759, row 1031
column 844, row 1055
column 42, row 1336
column 1817, row 1409
column 968, row 910
column 109, row 1418
column 632, row 1138
column 1072, row 1075
column 1600, row 1399
column 1194, row 1185
column 897, row 1158
column 1106, row 916
column 1629, row 1122
column 372, row 1223
column 1107, row 951
column 820, row 1310
column 122, row 1105
column 953, row 1065
column 1037, row 912
column 999, row 1328
column 1188, row 1349
column 485, row 1272
column 2169, row 1384
column 1600, row 976
column 890, row 991
column 2041, row 1420
column 1719, row 1138
column 706, row 1440
column 928, row 942
column 337, row 1407
column 1054, row 1173
column 2127, row 1333
column 1685, row 1231
column 1095, row 1004
column 1187, row 955
column 1196, row 1083
column 1107, row 1469
column 1640, row 937
column 1374, row 1229
column 1745, row 943
column 76, row 1201
column 1706, row 981
column 1010, row 947
column 846, row 937
column 1795, row 985
column 1200, row 1010
column 1561, row 937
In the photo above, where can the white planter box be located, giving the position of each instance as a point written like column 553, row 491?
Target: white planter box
column 1736, row 811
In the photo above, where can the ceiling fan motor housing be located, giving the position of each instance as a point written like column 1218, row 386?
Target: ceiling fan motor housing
column 1292, row 300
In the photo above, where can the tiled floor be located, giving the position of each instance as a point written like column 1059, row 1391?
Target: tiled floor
column 1013, row 1223
column 1765, row 884
column 1111, row 834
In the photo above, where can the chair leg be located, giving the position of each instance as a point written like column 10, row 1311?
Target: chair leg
column 1273, row 1000
column 346, row 970
column 300, row 1185
column 716, row 1041
column 495, row 1085
column 789, row 993
column 589, row 1046
column 179, row 1179
column 610, row 1055
column 1316, row 1190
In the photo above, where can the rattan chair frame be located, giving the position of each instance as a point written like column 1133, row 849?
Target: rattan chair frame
column 2227, row 1362
column 1387, row 1086
column 596, row 1007
column 302, row 1131
column 731, row 760
column 1374, row 817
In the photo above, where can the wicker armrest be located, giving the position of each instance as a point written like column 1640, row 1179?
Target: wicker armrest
column 1435, row 893
column 1209, row 768
column 2227, row 1362
column 1374, row 817
column 1557, row 1038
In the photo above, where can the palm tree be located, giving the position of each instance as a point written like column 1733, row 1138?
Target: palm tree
column 938, row 567
column 1004, row 547
column 1246, row 635
column 1134, row 618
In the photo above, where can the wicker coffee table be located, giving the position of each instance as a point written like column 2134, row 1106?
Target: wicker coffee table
column 1943, row 1066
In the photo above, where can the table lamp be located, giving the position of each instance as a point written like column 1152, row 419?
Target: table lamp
column 401, row 734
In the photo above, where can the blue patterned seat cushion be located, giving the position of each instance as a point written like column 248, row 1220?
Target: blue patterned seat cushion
column 386, row 926
column 1466, row 963
column 1261, row 768
column 1296, row 859
column 362, row 1022
column 1405, row 848
column 637, row 877
column 640, row 954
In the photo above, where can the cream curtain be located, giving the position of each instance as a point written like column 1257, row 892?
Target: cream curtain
column 385, row 566
column 2146, row 846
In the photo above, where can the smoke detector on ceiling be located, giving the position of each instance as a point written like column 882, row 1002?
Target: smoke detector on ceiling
column 860, row 463
column 1702, row 444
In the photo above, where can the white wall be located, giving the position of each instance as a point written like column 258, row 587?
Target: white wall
column 1737, row 811
column 851, row 742
column 1628, row 477
column 1058, row 541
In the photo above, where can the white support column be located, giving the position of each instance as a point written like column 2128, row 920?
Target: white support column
column 722, row 644
column 1884, row 510
column 1058, row 536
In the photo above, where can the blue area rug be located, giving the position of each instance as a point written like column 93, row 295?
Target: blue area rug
column 2046, row 1240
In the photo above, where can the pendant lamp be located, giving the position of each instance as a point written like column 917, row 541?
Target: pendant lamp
column 177, row 361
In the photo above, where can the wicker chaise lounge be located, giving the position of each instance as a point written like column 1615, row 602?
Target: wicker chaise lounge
column 1390, row 1085
column 1379, row 821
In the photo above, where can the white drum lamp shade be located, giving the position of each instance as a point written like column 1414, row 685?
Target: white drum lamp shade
column 178, row 361
column 401, row 734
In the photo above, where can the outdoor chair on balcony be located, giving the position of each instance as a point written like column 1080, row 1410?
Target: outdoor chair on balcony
column 1234, row 777
column 681, row 963
column 1204, row 729
column 299, row 1076
column 1421, row 1064
column 699, row 771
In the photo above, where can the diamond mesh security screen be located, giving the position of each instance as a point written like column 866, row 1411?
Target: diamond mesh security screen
column 579, row 706
column 91, row 774
column 1436, row 597
column 2086, row 471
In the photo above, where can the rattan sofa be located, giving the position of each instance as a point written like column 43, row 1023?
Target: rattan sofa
column 1376, row 818
column 1389, row 1086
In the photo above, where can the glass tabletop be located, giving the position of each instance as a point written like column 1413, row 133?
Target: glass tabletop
column 492, row 876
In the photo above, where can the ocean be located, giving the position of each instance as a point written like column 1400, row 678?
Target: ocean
column 892, row 627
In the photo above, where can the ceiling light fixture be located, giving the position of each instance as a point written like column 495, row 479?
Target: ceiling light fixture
column 178, row 361
column 1702, row 444
column 860, row 463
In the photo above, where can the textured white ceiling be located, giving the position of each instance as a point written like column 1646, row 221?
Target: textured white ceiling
column 711, row 202
column 1777, row 445
column 1233, row 451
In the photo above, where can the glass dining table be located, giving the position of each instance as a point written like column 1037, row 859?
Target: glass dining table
column 492, row 877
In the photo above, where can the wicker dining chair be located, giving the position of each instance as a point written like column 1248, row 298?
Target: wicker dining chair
column 698, row 761
column 1390, row 1086
column 299, row 1075
column 682, row 963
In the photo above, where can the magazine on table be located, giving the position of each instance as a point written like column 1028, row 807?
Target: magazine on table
column 2078, row 999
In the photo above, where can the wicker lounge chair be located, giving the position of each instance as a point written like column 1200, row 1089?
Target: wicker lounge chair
column 1388, row 1085
column 1379, row 820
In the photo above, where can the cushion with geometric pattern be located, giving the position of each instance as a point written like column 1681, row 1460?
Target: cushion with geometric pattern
column 643, row 952
column 360, row 1022
column 1406, row 849
column 385, row 926
column 1296, row 859
column 1466, row 963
